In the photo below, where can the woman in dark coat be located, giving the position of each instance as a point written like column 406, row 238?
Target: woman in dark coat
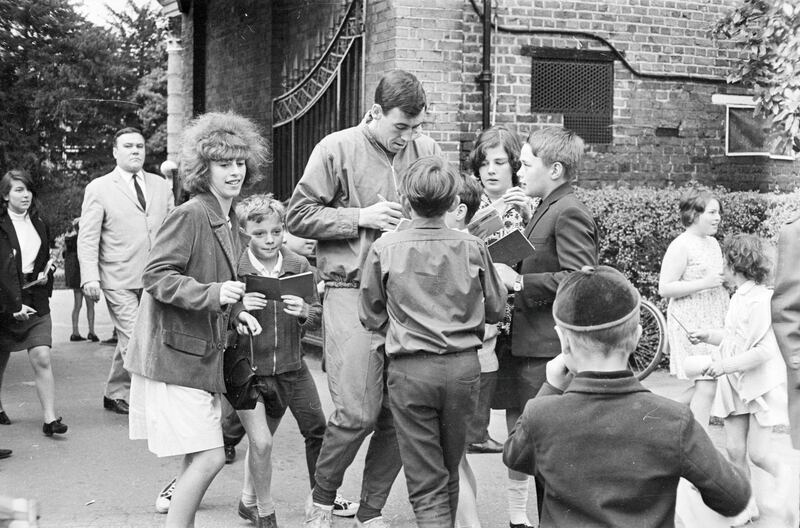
column 26, row 281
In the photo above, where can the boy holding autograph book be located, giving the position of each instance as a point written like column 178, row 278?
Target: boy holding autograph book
column 431, row 289
column 282, row 377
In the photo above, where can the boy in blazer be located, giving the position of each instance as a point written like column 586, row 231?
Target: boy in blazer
column 565, row 237
column 120, row 215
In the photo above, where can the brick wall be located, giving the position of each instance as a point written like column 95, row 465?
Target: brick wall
column 656, row 36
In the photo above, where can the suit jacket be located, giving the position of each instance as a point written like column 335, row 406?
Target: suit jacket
column 11, row 278
column 181, row 328
column 116, row 234
column 565, row 237
column 786, row 317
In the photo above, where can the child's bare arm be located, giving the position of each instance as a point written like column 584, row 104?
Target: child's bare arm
column 710, row 336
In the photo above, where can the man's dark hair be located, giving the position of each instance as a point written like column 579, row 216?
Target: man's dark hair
column 430, row 185
column 126, row 130
column 400, row 89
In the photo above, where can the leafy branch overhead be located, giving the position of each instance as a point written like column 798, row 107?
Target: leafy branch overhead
column 768, row 32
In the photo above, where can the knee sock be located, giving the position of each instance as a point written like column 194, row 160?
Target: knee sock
column 518, row 501
column 265, row 509
column 248, row 499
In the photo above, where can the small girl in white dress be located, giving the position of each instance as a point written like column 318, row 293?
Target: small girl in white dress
column 750, row 372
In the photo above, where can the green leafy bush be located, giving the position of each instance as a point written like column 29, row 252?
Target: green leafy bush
column 637, row 224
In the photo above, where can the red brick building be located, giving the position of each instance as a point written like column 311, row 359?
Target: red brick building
column 641, row 80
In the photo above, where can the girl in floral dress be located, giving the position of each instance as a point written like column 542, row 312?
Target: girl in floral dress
column 691, row 278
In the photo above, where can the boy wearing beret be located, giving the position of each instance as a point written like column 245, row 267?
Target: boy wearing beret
column 608, row 451
column 431, row 289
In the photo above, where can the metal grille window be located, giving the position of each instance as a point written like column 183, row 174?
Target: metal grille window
column 578, row 85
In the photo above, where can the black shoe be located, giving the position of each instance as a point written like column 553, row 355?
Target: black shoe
column 54, row 427
column 230, row 454
column 489, row 446
column 267, row 522
column 249, row 513
column 520, row 525
column 110, row 341
column 92, row 337
column 118, row 406
column 5, row 453
column 4, row 418
column 77, row 337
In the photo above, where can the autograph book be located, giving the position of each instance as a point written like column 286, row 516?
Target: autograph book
column 511, row 249
column 301, row 285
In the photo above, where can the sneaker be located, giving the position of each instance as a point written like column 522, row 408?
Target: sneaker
column 377, row 522
column 316, row 516
column 165, row 497
column 343, row 507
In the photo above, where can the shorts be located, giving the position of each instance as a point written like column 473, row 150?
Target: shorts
column 518, row 378
column 24, row 335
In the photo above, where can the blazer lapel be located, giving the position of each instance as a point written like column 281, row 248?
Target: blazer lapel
column 221, row 230
column 545, row 204
column 119, row 181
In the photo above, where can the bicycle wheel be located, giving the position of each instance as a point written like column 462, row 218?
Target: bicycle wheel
column 647, row 355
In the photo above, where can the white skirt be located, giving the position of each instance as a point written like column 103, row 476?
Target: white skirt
column 175, row 420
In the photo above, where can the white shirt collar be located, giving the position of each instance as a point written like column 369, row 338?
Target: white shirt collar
column 276, row 271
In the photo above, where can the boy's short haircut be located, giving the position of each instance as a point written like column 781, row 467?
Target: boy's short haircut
column 400, row 89
column 598, row 308
column 470, row 193
column 259, row 206
column 431, row 186
column 747, row 255
column 693, row 203
column 557, row 144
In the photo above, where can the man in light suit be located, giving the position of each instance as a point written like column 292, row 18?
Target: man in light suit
column 566, row 238
column 120, row 216
column 786, row 317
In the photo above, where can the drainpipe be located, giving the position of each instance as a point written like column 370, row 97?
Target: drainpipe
column 485, row 77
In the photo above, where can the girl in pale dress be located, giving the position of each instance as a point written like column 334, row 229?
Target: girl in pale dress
column 691, row 278
column 750, row 372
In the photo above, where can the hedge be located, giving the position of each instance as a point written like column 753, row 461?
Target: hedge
column 637, row 224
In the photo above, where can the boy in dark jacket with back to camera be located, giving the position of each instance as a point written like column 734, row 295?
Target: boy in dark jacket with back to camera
column 609, row 452
column 431, row 290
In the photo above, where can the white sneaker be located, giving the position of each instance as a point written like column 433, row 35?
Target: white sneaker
column 377, row 522
column 316, row 516
column 165, row 497
column 343, row 507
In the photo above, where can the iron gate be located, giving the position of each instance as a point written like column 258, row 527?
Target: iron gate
column 328, row 98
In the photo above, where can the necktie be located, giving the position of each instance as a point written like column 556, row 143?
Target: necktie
column 139, row 193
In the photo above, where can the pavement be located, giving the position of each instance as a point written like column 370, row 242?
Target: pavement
column 95, row 477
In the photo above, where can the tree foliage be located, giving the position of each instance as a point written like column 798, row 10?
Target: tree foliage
column 768, row 31
column 66, row 85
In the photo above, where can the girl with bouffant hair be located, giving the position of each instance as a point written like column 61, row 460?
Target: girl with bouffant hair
column 190, row 283
column 216, row 136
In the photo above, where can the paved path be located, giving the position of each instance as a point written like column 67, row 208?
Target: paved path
column 95, row 477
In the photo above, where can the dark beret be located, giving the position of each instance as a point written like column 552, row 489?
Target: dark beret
column 594, row 298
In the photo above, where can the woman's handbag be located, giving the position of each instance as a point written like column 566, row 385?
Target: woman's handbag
column 239, row 371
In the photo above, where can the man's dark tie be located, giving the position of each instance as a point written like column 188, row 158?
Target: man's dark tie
column 139, row 193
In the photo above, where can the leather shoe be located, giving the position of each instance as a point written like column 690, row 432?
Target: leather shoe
column 92, row 337
column 5, row 453
column 268, row 521
column 249, row 513
column 230, row 454
column 4, row 418
column 118, row 406
column 489, row 446
column 76, row 337
column 519, row 525
column 54, row 427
